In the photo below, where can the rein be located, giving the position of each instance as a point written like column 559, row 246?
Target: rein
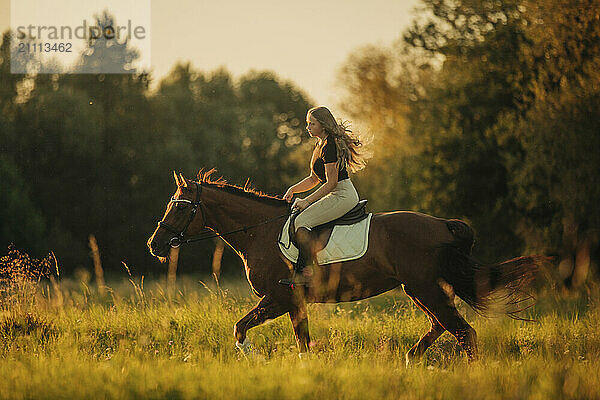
column 212, row 234
column 208, row 233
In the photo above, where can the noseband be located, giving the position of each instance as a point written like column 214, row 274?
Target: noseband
column 179, row 236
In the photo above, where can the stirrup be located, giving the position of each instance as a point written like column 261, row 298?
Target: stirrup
column 297, row 279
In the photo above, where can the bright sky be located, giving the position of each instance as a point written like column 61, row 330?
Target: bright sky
column 305, row 42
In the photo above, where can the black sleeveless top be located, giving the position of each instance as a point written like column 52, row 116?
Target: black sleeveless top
column 328, row 154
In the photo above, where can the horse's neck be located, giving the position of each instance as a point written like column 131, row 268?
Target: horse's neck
column 228, row 212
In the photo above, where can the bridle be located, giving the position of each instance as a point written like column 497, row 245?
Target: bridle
column 179, row 235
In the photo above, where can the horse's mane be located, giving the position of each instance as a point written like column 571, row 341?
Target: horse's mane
column 204, row 178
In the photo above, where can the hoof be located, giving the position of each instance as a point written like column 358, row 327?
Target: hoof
column 411, row 360
column 304, row 356
column 245, row 347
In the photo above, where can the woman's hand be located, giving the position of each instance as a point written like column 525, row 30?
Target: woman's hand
column 289, row 194
column 300, row 204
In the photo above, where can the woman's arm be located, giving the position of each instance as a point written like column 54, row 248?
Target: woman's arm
column 331, row 176
column 305, row 184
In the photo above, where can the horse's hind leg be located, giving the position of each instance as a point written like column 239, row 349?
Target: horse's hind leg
column 265, row 310
column 427, row 339
column 441, row 305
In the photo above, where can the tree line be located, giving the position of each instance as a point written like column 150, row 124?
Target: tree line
column 94, row 153
column 482, row 110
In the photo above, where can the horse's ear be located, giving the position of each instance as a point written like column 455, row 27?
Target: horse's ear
column 183, row 180
column 177, row 182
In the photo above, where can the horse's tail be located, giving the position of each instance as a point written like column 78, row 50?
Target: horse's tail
column 480, row 285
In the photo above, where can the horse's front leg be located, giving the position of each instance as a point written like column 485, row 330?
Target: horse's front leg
column 299, row 318
column 265, row 310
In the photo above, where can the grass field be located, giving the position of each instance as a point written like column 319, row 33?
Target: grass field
column 66, row 341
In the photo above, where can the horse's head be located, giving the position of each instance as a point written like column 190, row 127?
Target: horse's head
column 181, row 218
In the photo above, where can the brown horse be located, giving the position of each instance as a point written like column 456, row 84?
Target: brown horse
column 429, row 256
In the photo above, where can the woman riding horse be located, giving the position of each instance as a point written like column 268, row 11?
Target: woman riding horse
column 429, row 256
column 336, row 152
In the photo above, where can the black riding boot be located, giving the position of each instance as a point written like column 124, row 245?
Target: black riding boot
column 298, row 278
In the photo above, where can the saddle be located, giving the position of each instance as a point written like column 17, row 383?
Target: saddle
column 321, row 233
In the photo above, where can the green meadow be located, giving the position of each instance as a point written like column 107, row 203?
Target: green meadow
column 62, row 339
column 486, row 111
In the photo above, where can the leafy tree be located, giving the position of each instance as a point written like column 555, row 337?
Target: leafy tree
column 556, row 180
column 105, row 54
column 21, row 221
column 272, row 125
column 378, row 85
column 500, row 115
column 8, row 81
column 246, row 129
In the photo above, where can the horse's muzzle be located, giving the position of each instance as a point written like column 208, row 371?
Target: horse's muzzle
column 155, row 249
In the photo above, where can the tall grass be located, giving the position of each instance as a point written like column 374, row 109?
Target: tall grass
column 66, row 341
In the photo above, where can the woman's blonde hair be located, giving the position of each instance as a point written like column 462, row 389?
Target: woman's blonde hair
column 349, row 146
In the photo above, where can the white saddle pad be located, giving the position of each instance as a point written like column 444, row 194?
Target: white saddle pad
column 347, row 242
